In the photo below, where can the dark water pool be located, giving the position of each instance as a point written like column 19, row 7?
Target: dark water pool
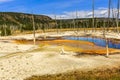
column 97, row 41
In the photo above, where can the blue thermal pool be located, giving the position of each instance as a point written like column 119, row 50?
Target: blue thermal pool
column 96, row 41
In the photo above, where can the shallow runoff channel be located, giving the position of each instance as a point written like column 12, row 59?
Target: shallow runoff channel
column 96, row 41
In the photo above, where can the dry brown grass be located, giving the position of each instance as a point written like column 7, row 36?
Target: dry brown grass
column 108, row 74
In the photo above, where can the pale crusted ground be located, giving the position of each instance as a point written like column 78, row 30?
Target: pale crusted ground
column 10, row 47
column 18, row 67
column 66, row 33
column 26, row 64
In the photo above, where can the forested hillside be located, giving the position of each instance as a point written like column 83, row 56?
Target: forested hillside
column 12, row 21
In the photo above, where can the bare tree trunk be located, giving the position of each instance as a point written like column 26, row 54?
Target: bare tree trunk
column 77, row 28
column 56, row 25
column 104, row 29
column 60, row 26
column 73, row 23
column 34, row 39
column 5, row 32
column 114, row 21
column 109, row 5
column 93, row 15
column 107, row 47
column 12, row 29
column 106, row 40
column 117, row 19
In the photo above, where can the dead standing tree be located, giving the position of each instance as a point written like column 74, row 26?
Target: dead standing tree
column 117, row 18
column 93, row 15
column 33, row 22
column 106, row 39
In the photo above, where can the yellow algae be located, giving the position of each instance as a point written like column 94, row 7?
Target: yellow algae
column 73, row 45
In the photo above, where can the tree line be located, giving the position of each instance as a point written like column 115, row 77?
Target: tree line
column 11, row 22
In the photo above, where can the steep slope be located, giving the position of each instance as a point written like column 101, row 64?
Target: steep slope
column 20, row 18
